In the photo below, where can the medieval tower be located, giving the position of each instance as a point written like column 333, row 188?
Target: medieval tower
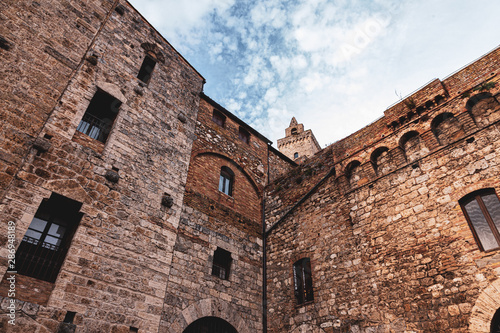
column 297, row 143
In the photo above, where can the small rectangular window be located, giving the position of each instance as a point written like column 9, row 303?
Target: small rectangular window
column 147, row 68
column 244, row 135
column 221, row 264
column 46, row 242
column 99, row 116
column 303, row 281
column 218, row 118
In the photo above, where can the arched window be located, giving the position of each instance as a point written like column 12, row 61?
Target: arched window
column 294, row 131
column 482, row 211
column 296, row 155
column 302, row 279
column 210, row 325
column 353, row 172
column 226, row 181
column 412, row 146
column 382, row 161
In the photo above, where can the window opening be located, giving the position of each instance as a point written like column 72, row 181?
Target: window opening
column 294, row 131
column 99, row 116
column 69, row 317
column 303, row 281
column 221, row 264
column 46, row 242
column 244, row 135
column 482, row 211
column 226, row 181
column 495, row 322
column 218, row 118
column 210, row 325
column 147, row 68
column 296, row 155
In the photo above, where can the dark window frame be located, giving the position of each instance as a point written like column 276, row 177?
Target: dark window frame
column 219, row 118
column 147, row 68
column 221, row 264
column 478, row 197
column 226, row 181
column 42, row 256
column 100, row 115
column 302, row 280
column 244, row 135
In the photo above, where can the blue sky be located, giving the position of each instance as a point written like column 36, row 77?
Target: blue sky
column 334, row 65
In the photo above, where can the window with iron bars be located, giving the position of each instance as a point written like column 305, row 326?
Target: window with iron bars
column 46, row 242
column 221, row 264
column 99, row 116
column 303, row 281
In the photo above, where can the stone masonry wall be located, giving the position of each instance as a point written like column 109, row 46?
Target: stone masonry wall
column 115, row 273
column 390, row 248
column 212, row 219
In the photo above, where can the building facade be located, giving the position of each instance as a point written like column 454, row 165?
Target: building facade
column 132, row 202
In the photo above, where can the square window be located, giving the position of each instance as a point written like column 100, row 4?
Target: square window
column 244, row 135
column 99, row 116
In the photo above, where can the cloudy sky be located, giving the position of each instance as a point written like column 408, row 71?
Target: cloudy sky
column 335, row 65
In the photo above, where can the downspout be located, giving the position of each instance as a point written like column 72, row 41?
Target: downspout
column 264, row 253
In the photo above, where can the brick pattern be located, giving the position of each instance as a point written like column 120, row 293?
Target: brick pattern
column 391, row 249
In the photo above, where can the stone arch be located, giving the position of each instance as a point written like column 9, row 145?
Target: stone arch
column 412, row 145
column 482, row 108
column 485, row 308
column 382, row 161
column 154, row 50
column 446, row 128
column 353, row 172
column 307, row 328
column 211, row 308
column 236, row 165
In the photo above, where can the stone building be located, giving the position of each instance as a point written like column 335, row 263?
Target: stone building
column 132, row 202
column 297, row 143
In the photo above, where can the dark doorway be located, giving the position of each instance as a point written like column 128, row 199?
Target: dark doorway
column 495, row 323
column 210, row 325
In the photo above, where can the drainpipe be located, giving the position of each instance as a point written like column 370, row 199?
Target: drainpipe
column 264, row 253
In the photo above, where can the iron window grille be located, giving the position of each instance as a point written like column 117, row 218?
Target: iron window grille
column 222, row 264
column 482, row 211
column 303, row 281
column 46, row 242
column 226, row 181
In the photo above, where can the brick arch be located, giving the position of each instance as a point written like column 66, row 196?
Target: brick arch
column 236, row 165
column 484, row 309
column 211, row 308
column 153, row 48
column 307, row 328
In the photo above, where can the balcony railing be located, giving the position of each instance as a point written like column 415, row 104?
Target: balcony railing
column 94, row 127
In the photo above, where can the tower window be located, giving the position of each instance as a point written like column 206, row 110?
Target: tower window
column 296, row 155
column 482, row 211
column 222, row 263
column 147, row 68
column 294, row 131
column 226, row 181
column 303, row 281
column 218, row 118
column 99, row 116
column 46, row 242
column 244, row 135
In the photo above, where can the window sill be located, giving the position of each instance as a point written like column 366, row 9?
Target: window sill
column 88, row 142
column 28, row 289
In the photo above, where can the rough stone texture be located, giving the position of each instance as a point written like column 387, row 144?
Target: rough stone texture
column 115, row 273
column 377, row 212
column 390, row 248
column 297, row 141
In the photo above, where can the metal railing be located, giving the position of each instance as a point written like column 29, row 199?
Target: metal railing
column 94, row 127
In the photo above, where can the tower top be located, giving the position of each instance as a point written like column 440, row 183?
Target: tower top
column 297, row 143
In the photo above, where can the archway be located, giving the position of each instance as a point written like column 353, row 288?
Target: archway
column 210, row 325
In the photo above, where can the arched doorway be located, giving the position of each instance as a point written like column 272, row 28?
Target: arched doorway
column 495, row 323
column 210, row 325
